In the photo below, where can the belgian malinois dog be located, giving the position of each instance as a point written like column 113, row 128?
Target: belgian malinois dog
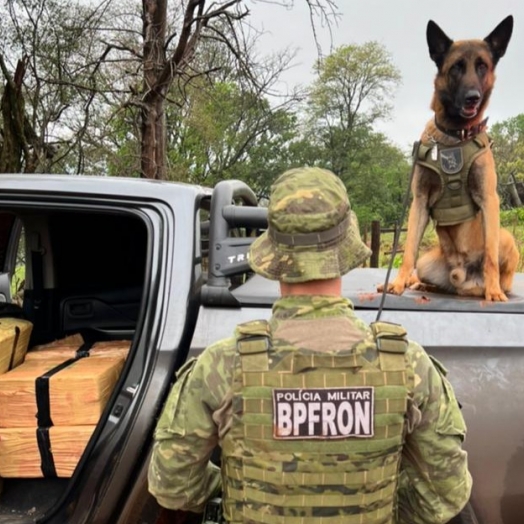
column 454, row 179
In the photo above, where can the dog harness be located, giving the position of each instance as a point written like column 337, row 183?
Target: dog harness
column 452, row 164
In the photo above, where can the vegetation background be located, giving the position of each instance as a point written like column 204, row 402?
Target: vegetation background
column 179, row 90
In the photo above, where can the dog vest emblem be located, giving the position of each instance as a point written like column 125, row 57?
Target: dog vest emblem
column 451, row 160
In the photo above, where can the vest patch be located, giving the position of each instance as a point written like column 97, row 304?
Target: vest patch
column 323, row 413
column 451, row 160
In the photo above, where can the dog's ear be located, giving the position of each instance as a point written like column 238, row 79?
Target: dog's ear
column 438, row 43
column 498, row 39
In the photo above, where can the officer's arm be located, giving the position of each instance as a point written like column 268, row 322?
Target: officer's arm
column 435, row 483
column 180, row 473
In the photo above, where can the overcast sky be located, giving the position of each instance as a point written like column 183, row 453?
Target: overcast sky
column 400, row 25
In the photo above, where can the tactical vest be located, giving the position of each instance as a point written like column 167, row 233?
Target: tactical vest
column 452, row 164
column 316, row 437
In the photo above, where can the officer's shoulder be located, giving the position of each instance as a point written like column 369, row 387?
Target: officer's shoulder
column 220, row 349
column 417, row 355
column 217, row 359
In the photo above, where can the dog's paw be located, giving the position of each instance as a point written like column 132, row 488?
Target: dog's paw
column 413, row 281
column 424, row 287
column 496, row 295
column 393, row 288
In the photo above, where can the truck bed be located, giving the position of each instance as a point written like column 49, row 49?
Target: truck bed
column 481, row 345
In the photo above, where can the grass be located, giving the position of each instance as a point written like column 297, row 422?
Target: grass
column 386, row 245
column 512, row 220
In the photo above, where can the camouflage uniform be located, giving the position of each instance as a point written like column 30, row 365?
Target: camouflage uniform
column 433, row 482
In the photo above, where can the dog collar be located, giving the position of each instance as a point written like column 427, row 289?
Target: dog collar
column 466, row 133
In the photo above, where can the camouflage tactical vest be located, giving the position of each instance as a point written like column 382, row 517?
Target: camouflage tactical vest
column 452, row 164
column 315, row 437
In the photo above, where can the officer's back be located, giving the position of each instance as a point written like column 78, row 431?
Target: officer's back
column 321, row 418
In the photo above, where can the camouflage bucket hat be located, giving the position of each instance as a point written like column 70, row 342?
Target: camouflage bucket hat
column 312, row 233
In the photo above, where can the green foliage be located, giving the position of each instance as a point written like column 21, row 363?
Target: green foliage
column 17, row 280
column 512, row 217
column 223, row 131
column 508, row 149
column 377, row 180
column 397, row 261
column 429, row 240
column 56, row 37
column 351, row 92
column 513, row 221
column 353, row 85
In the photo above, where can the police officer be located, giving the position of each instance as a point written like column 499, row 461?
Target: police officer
column 320, row 417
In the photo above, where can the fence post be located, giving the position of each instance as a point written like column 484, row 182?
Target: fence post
column 365, row 240
column 375, row 243
column 512, row 184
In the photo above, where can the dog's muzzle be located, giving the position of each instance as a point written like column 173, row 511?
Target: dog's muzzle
column 472, row 101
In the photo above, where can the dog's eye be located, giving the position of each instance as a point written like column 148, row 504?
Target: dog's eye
column 458, row 67
column 482, row 68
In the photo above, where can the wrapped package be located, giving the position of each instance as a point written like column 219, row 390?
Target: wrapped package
column 35, row 452
column 14, row 340
column 68, row 349
column 57, row 391
column 71, row 340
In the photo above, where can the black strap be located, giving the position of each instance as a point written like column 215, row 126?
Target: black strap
column 37, row 267
column 83, row 350
column 15, row 345
column 43, row 403
column 47, row 461
column 43, row 414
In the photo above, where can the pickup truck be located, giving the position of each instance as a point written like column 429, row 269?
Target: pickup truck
column 164, row 266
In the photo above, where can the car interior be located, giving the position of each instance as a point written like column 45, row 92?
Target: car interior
column 77, row 277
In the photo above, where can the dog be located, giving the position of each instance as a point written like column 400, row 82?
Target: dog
column 454, row 180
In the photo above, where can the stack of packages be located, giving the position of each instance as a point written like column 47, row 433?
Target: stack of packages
column 14, row 340
column 51, row 404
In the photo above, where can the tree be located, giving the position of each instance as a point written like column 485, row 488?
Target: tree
column 214, row 122
column 508, row 150
column 76, row 65
column 170, row 55
column 49, row 62
column 351, row 93
column 378, row 180
column 227, row 132
column 16, row 136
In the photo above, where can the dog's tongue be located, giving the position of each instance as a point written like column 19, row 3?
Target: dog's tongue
column 469, row 111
